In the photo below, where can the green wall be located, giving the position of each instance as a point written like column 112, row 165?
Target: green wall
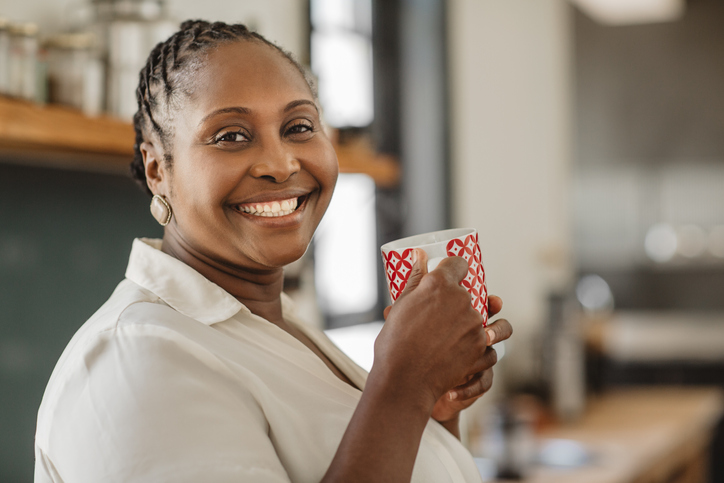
column 65, row 237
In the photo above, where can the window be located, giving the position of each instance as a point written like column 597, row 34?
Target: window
column 341, row 54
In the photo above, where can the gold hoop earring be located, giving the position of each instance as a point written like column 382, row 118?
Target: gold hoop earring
column 161, row 210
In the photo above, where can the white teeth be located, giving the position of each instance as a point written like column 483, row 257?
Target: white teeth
column 274, row 208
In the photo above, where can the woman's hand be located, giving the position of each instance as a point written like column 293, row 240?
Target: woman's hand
column 433, row 339
column 473, row 385
column 448, row 407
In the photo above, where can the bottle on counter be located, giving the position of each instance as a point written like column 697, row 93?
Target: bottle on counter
column 565, row 362
column 508, row 442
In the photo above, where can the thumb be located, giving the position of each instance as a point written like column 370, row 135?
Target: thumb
column 419, row 270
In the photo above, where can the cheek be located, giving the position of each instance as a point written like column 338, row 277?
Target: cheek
column 331, row 172
column 200, row 191
column 326, row 168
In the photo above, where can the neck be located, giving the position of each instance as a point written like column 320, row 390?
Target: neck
column 259, row 290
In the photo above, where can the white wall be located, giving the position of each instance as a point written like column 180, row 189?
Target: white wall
column 282, row 21
column 511, row 142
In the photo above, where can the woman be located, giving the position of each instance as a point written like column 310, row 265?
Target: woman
column 197, row 369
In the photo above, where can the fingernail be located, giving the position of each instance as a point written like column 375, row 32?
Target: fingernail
column 452, row 395
column 491, row 336
column 414, row 256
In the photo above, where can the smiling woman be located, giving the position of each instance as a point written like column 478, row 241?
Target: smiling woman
column 197, row 368
column 257, row 144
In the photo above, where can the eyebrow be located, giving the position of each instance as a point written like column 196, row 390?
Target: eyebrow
column 245, row 110
column 300, row 102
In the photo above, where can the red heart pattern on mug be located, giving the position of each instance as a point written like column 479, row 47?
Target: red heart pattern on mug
column 474, row 281
column 398, row 265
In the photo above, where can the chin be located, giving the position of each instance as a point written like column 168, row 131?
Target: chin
column 280, row 258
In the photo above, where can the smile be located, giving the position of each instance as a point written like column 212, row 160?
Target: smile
column 270, row 208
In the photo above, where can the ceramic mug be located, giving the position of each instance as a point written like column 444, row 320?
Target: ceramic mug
column 458, row 242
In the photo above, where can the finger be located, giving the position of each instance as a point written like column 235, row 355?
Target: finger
column 455, row 268
column 487, row 360
column 419, row 269
column 495, row 305
column 498, row 330
column 386, row 312
column 474, row 388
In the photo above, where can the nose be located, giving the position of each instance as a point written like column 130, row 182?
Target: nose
column 277, row 163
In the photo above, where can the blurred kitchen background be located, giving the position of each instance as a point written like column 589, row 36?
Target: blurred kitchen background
column 583, row 139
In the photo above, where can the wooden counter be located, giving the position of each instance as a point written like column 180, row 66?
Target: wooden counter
column 652, row 435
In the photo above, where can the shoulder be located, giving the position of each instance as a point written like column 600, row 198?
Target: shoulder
column 131, row 315
column 145, row 378
column 113, row 313
column 119, row 336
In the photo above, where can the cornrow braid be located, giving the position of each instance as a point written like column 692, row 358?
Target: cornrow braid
column 164, row 78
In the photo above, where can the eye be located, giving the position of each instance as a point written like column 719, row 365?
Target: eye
column 231, row 137
column 300, row 127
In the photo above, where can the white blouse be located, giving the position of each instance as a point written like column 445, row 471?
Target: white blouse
column 173, row 379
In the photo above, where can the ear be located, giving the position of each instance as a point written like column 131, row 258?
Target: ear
column 156, row 175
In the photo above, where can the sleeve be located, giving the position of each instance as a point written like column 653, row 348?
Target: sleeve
column 147, row 404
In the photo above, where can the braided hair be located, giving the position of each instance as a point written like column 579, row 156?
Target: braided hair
column 164, row 80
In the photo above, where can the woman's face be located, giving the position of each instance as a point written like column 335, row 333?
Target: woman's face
column 253, row 172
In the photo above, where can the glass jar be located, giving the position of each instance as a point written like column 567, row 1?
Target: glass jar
column 128, row 30
column 4, row 56
column 75, row 72
column 23, row 59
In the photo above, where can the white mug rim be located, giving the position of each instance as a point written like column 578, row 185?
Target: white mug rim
column 441, row 237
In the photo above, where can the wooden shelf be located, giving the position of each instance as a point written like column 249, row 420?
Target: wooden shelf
column 62, row 137
column 30, row 126
column 359, row 157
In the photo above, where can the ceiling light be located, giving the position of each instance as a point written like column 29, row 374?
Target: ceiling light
column 627, row 12
column 661, row 242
